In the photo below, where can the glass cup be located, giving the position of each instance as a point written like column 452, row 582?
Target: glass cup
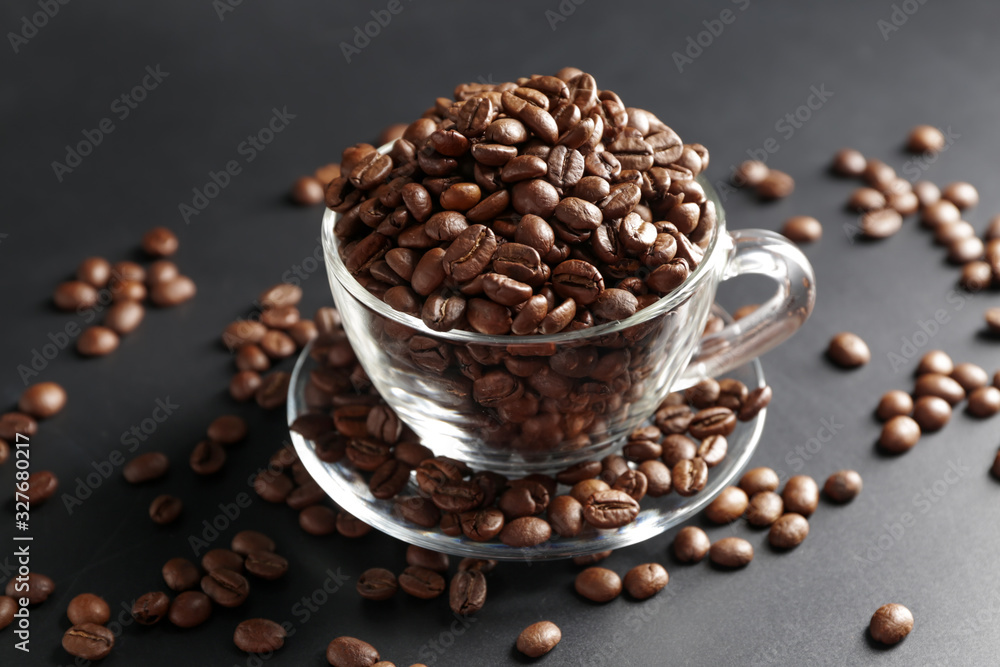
column 538, row 404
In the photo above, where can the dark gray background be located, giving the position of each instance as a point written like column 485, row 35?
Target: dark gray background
column 810, row 606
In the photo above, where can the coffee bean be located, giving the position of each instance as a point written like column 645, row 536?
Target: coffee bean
column 217, row 558
column 712, row 421
column 279, row 295
column 88, row 641
column 350, row 526
column 165, row 509
column 259, row 635
column 244, row 385
column 88, row 608
column 523, row 500
column 161, row 242
column 713, row 450
column 984, row 402
column 756, row 400
column 970, row 376
column 578, row 280
column 128, row 290
column 42, row 400
column 527, row 531
column 731, row 552
column 940, row 213
column 598, row 584
column 483, row 565
column 565, row 514
column 173, row 292
column 976, row 276
column 689, row 476
column 247, row 541
column 124, row 317
column 538, row 639
column 848, row 350
column 935, row 361
column 426, row 558
column 146, row 467
column 848, row 162
column 801, row 495
column 418, row 510
column 992, row 317
column 75, row 295
column 190, row 609
column 377, row 584
column 467, row 592
column 899, row 435
column 95, row 271
column 273, row 390
column 677, row 448
column 925, row 139
column 750, row 173
column 962, row 195
column 421, row 582
column 764, row 508
column 891, row 623
column 227, row 429
column 225, row 587
column 894, row 403
column 803, row 229
column 180, row 574
column 965, row 250
column 931, row 413
column 788, row 531
column 776, row 185
column 149, row 608
column 942, row 386
column 659, row 480
column 207, row 458
column 843, row 486
column 97, row 341
column 610, row 509
column 351, row 652
column 266, row 565
column 318, row 520
column 14, row 423
column 728, row 506
column 644, row 581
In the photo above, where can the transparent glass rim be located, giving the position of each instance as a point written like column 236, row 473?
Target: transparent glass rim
column 339, row 272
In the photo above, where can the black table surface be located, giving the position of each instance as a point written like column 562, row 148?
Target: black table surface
column 726, row 74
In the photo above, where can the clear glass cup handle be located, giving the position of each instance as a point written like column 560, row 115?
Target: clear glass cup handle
column 757, row 251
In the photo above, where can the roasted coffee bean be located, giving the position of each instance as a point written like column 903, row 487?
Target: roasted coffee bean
column 469, row 254
column 578, row 280
column 524, row 500
column 800, row 495
column 750, row 173
column 173, row 292
column 527, row 531
column 225, row 587
column 940, row 213
column 984, row 402
column 95, row 271
column 421, row 582
column 146, row 467
column 894, row 403
column 965, row 250
column 713, row 450
column 377, row 584
column 728, row 506
column 42, row 400
column 124, row 317
column 970, row 376
column 161, row 242
column 128, row 290
column 180, row 574
column 935, row 361
column 610, row 509
column 149, row 608
column 891, row 623
column 757, row 400
column 643, row 445
column 764, row 508
column 598, row 584
column 925, row 139
column 579, row 472
column 165, row 509
column 259, row 635
column 633, row 483
column 88, row 608
column 389, row 479
column 482, row 525
column 190, row 609
column 247, row 541
column 899, row 435
column 931, row 413
column 644, row 581
column 420, row 511
column 867, row 200
column 216, row 558
column 318, row 520
column 8, row 607
column 788, row 531
column 75, row 295
column 659, row 480
column 273, row 390
column 843, row 486
column 712, row 421
column 703, row 394
column 584, row 489
column 677, row 448
column 565, row 514
column 88, row 641
column 976, row 276
column 803, row 229
column 776, row 185
column 227, row 429
column 691, row 544
column 266, row 565
column 963, row 195
column 538, row 639
column 308, row 494
column 467, row 592
column 942, row 386
column 351, row 652
column 14, row 423
column 97, row 341
column 207, row 458
column 848, row 350
column 244, row 385
column 350, row 526
column 731, row 552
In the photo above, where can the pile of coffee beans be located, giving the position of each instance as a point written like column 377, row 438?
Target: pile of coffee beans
column 766, row 182
column 940, row 386
column 122, row 288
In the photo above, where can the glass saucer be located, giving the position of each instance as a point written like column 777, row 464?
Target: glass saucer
column 349, row 489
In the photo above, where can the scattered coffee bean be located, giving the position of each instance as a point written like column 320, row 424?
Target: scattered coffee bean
column 426, row 558
column 351, row 652
column 208, row 457
column 939, row 213
column 308, row 191
column 942, row 386
column 266, row 565
column 180, row 574
column 803, row 229
column 756, row 480
column 538, row 639
column 97, row 341
column 992, row 317
column 970, row 376
column 891, row 623
column 225, row 587
column 95, row 271
column 843, row 486
column 899, row 435
column 467, row 592
column 421, row 582
column 984, row 402
column 731, row 552
column 259, row 635
column 216, row 558
column 848, row 162
column 848, row 350
column 728, row 506
column 646, row 580
column 931, row 413
column 893, row 404
column 764, row 508
column 377, row 584
column 149, row 608
column 146, row 467
column 598, row 584
column 691, row 544
column 124, row 317
column 529, row 531
column 800, row 495
column 88, row 608
column 962, row 195
column 41, row 486
column 159, row 242
column 75, row 295
column 88, row 641
column 165, row 509
column 776, row 185
column 935, row 361
column 750, row 173
column 866, row 199
column 190, row 609
column 318, row 520
column 42, row 400
column 173, row 292
column 788, row 531
column 925, row 139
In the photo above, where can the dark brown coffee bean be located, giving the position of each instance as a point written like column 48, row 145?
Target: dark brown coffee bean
column 146, row 467
column 788, row 531
column 764, row 508
column 467, row 592
column 161, row 242
column 88, row 641
column 273, row 390
column 677, row 448
column 800, row 495
column 776, row 185
column 942, row 386
column 633, row 483
column 149, row 608
column 578, row 280
column 712, row 421
column 691, row 544
column 457, row 496
column 644, row 581
column 225, row 587
column 881, row 224
column 276, row 345
column 526, row 499
column 643, row 445
column 244, row 385
column 444, row 311
column 421, row 582
column 97, row 341
column 843, row 486
column 713, row 450
column 124, row 317
column 931, row 413
column 894, row 403
column 482, row 525
column 266, row 565
column 891, row 623
column 899, row 435
column 728, row 506
column 180, row 574
column 538, row 639
column 598, row 584
column 970, row 376
column 95, row 271
column 848, row 350
column 750, row 173
column 247, row 541
column 318, row 520
column 207, row 458
column 88, row 608
column 165, row 509
column 659, row 481
column 8, row 607
column 216, row 558
column 377, row 584
column 469, row 254
column 527, row 531
column 756, row 400
column 935, row 361
column 42, row 400
column 227, row 429
column 190, row 609
column 351, row 652
column 963, row 195
column 984, row 402
column 75, row 295
column 610, row 509
column 420, row 511
column 689, row 476
column 173, row 292
column 731, row 552
column 803, row 229
column 259, row 635
column 867, row 199
column 565, row 514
